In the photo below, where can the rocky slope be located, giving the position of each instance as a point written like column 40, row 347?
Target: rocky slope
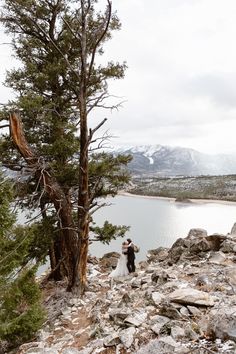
column 181, row 300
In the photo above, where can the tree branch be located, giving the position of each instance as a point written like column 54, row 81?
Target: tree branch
column 100, row 38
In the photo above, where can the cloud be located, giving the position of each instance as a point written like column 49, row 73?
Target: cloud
column 180, row 86
column 219, row 88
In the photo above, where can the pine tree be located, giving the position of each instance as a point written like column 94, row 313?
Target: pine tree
column 21, row 314
column 59, row 84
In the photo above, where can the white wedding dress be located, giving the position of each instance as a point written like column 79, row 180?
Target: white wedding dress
column 121, row 269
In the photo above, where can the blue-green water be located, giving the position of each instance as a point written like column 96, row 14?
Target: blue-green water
column 159, row 222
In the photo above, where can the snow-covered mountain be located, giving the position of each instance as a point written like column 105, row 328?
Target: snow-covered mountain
column 159, row 160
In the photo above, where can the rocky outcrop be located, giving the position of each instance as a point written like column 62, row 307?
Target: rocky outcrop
column 181, row 300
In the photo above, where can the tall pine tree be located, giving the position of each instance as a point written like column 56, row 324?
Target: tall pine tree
column 59, row 84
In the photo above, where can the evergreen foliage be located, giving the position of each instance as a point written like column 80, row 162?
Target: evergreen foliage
column 58, row 85
column 21, row 314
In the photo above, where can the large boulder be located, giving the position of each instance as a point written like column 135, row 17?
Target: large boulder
column 196, row 233
column 191, row 296
column 222, row 323
column 215, row 241
column 109, row 260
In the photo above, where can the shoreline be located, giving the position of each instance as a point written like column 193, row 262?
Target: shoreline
column 171, row 199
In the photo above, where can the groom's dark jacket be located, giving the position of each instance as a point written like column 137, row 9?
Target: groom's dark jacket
column 130, row 253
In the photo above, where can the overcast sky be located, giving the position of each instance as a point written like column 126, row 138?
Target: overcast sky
column 180, row 86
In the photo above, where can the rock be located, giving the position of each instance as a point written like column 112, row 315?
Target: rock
column 184, row 311
column 164, row 345
column 233, row 230
column 119, row 313
column 217, row 258
column 198, row 246
column 191, row 297
column 177, row 332
column 190, row 333
column 168, row 310
column 157, row 297
column 222, row 323
column 159, row 322
column 194, row 311
column 202, row 280
column 125, row 300
column 27, row 346
column 197, row 233
column 127, row 336
column 175, row 254
column 112, row 339
column 181, row 242
column 35, row 350
column 215, row 241
column 230, row 275
column 109, row 260
column 136, row 319
column 227, row 246
column 70, row 351
column 143, row 265
column 86, row 351
column 157, row 255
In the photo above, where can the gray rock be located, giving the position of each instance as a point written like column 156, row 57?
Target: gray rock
column 227, row 246
column 27, row 346
column 215, row 241
column 222, row 322
column 177, row 332
column 230, row 274
column 194, row 311
column 164, row 345
column 36, row 350
column 70, row 351
column 196, row 233
column 157, row 297
column 198, row 246
column 157, row 255
column 86, row 351
column 191, row 297
column 202, row 280
column 119, row 313
column 167, row 309
column 160, row 321
column 112, row 339
column 184, row 311
column 217, row 258
column 127, row 336
column 136, row 319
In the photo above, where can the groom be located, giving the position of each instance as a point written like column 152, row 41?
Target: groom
column 130, row 256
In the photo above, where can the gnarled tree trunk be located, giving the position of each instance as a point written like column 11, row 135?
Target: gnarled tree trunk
column 67, row 242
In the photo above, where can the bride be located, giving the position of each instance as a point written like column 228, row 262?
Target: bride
column 121, row 269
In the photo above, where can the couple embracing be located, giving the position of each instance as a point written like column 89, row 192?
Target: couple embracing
column 125, row 263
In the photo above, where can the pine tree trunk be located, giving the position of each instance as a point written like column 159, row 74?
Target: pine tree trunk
column 67, row 246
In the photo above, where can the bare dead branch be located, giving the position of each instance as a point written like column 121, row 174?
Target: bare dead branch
column 92, row 131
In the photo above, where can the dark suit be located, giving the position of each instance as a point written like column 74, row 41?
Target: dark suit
column 131, row 258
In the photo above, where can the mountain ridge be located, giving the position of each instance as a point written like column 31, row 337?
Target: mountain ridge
column 160, row 160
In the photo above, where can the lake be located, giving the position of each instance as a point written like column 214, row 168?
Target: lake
column 159, row 222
